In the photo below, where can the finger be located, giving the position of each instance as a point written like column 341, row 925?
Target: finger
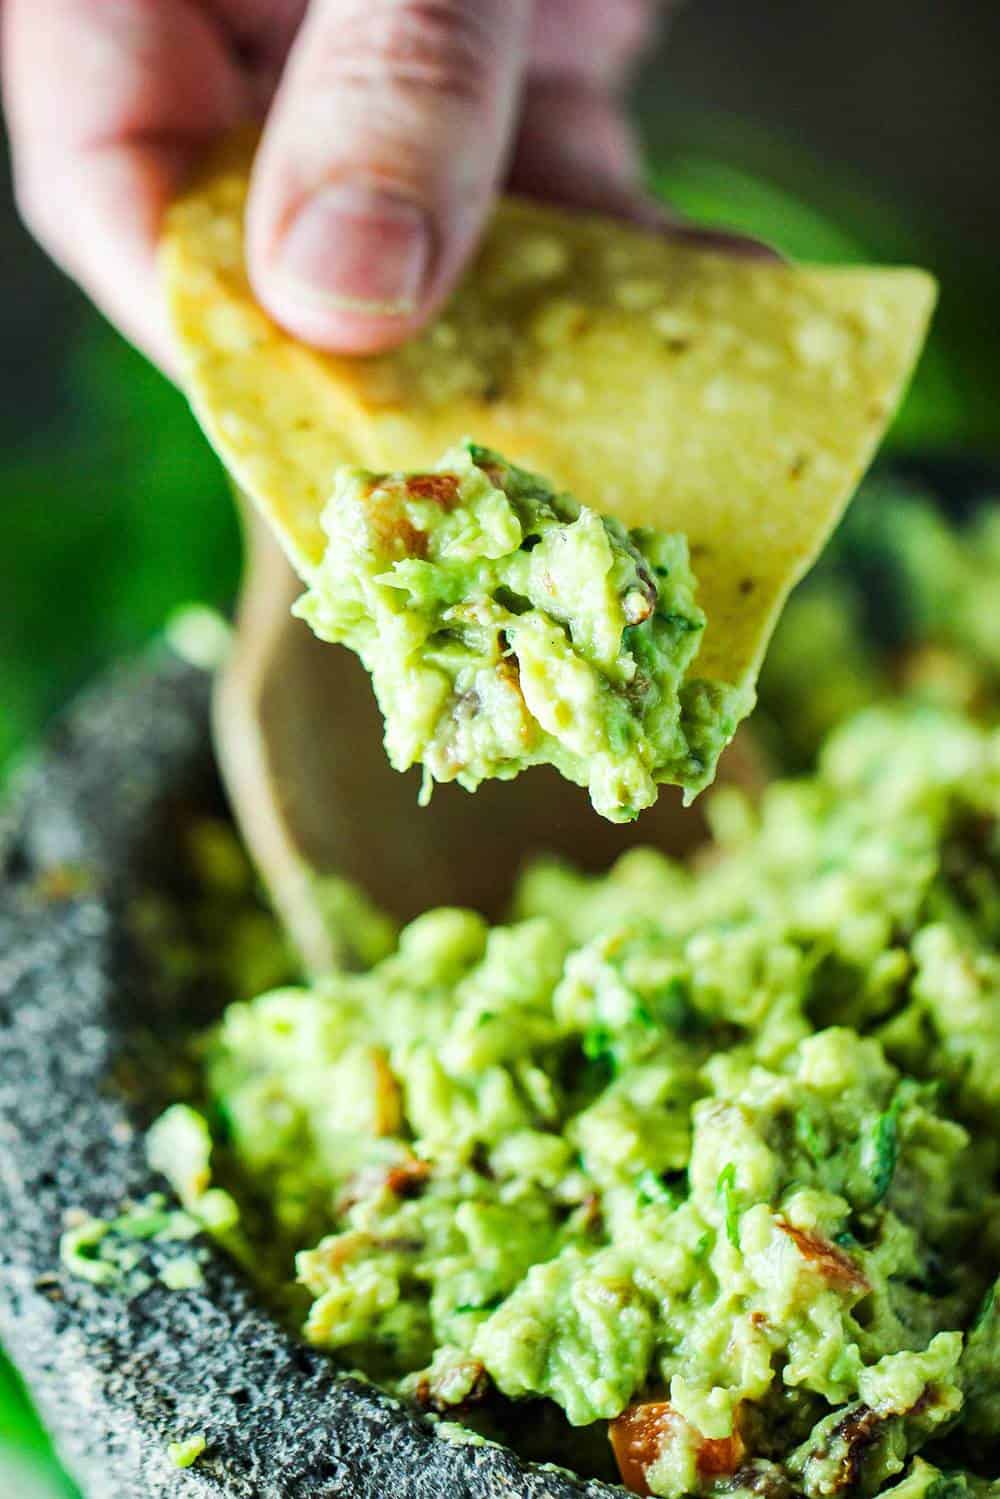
column 575, row 147
column 262, row 32
column 261, row 25
column 591, row 39
column 107, row 104
column 385, row 146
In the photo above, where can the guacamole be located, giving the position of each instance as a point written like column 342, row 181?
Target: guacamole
column 901, row 601
column 505, row 626
column 697, row 1168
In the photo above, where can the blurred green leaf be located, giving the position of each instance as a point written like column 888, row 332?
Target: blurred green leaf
column 732, row 170
column 109, row 523
column 716, row 193
column 26, row 1455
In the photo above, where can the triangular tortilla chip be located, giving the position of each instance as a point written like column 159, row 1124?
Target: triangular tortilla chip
column 737, row 401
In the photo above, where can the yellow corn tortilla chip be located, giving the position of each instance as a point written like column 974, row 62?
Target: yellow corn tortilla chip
column 734, row 400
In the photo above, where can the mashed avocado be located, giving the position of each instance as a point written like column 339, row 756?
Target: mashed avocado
column 901, row 602
column 506, row 626
column 184, row 1454
column 704, row 1162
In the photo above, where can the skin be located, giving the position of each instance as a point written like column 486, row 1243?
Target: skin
column 389, row 126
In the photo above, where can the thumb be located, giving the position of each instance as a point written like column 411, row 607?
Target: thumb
column 385, row 145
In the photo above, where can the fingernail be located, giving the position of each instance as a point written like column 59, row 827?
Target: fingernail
column 355, row 248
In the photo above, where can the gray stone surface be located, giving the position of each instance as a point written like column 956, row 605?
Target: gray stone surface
column 85, row 1028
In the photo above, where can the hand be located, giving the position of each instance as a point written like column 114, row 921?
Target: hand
column 390, row 126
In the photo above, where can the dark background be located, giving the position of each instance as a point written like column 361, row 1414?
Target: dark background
column 837, row 129
column 882, row 114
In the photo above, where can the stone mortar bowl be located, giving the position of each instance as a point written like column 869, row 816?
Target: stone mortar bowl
column 87, row 1022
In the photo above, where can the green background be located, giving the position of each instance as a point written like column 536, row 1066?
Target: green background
column 114, row 512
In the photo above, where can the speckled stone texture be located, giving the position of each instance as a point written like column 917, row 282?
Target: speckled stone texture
column 91, row 826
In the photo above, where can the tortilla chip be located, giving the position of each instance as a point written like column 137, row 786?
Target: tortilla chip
column 734, row 400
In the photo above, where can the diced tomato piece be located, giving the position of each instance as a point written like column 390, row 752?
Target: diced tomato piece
column 408, row 1178
column 392, row 531
column 443, row 489
column 642, row 1432
column 836, row 1267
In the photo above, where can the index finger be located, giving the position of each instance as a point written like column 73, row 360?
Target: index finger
column 107, row 103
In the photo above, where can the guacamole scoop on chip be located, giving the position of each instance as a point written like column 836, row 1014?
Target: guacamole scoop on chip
column 733, row 401
column 504, row 625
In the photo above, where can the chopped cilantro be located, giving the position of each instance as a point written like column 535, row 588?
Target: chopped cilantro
column 807, row 1137
column 881, row 1151
column 987, row 1308
column 597, row 1044
column 726, row 1191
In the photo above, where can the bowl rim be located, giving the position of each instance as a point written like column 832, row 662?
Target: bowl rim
column 117, row 1378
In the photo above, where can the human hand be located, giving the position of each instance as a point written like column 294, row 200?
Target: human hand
column 390, row 126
